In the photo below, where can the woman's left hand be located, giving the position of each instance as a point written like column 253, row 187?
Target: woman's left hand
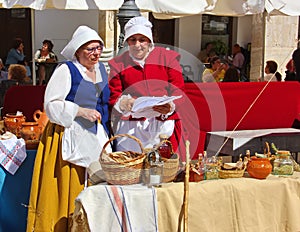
column 163, row 109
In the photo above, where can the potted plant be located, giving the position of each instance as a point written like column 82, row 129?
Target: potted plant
column 220, row 47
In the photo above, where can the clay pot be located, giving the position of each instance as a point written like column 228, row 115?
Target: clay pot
column 259, row 168
column 13, row 123
column 41, row 118
column 30, row 131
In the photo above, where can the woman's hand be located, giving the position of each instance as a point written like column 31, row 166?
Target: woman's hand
column 126, row 104
column 221, row 67
column 163, row 109
column 90, row 114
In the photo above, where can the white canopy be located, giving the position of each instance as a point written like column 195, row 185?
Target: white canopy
column 64, row 4
column 170, row 8
column 178, row 8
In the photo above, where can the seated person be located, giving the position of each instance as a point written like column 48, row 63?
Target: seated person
column 238, row 57
column 215, row 72
column 271, row 72
column 45, row 58
column 206, row 53
column 3, row 72
column 290, row 72
column 17, row 75
column 16, row 55
column 231, row 75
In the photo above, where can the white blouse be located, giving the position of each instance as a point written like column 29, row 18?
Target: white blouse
column 79, row 146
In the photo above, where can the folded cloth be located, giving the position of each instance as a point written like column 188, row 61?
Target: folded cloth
column 12, row 153
column 131, row 208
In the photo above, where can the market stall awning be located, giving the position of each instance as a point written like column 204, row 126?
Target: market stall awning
column 178, row 8
column 64, row 4
column 164, row 9
column 170, row 8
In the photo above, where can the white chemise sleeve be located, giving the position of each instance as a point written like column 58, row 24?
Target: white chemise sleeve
column 59, row 110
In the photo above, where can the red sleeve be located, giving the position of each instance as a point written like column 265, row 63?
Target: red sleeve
column 175, row 76
column 115, row 84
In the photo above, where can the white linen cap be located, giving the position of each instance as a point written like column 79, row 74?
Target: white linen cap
column 82, row 35
column 138, row 25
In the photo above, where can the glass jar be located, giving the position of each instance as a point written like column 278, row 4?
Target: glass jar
column 154, row 175
column 165, row 147
column 211, row 169
column 283, row 165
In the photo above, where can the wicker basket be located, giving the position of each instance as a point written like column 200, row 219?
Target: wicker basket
column 170, row 168
column 224, row 174
column 171, row 165
column 126, row 172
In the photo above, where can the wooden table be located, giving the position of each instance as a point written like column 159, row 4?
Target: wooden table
column 234, row 143
column 227, row 205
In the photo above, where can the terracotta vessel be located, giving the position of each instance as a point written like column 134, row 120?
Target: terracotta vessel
column 259, row 168
column 41, row 118
column 13, row 123
column 31, row 131
column 196, row 177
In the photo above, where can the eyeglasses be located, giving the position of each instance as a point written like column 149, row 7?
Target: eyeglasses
column 134, row 39
column 94, row 49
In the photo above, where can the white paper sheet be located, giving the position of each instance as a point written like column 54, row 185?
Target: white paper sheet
column 142, row 106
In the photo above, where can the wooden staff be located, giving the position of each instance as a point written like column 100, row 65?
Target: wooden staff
column 186, row 186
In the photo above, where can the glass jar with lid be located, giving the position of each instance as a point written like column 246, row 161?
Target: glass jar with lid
column 283, row 164
column 154, row 175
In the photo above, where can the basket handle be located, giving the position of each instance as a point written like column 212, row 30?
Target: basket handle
column 118, row 136
column 267, row 149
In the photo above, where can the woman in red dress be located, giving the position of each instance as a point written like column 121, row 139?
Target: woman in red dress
column 145, row 70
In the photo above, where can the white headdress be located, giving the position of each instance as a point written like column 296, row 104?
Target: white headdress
column 82, row 35
column 138, row 25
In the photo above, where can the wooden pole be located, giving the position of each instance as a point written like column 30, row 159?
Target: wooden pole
column 186, row 185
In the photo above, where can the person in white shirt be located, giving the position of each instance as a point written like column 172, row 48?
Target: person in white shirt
column 271, row 73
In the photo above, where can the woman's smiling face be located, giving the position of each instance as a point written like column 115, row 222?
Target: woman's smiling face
column 139, row 46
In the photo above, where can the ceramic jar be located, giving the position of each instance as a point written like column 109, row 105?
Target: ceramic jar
column 30, row 131
column 259, row 168
column 13, row 123
column 41, row 118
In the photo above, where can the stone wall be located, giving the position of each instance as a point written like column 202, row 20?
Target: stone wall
column 273, row 38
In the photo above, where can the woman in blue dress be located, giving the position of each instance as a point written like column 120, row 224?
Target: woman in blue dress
column 76, row 102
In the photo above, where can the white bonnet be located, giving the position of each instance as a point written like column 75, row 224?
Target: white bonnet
column 82, row 35
column 138, row 25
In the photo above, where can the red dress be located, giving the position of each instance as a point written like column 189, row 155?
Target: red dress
column 161, row 75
